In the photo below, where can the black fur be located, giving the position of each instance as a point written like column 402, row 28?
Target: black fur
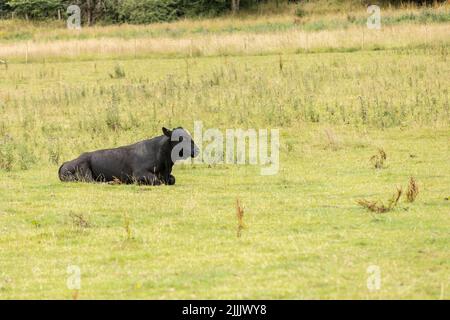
column 145, row 162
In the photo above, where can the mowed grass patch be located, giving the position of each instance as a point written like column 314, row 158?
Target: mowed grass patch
column 305, row 236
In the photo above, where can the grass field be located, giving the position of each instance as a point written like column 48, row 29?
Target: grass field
column 305, row 236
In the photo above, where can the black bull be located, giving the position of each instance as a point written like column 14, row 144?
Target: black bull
column 145, row 162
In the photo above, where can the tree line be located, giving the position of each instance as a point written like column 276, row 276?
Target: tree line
column 136, row 11
column 120, row 11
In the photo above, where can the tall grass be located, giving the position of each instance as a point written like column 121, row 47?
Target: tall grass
column 230, row 44
column 247, row 34
column 77, row 106
column 309, row 20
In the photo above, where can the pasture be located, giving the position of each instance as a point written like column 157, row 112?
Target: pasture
column 305, row 236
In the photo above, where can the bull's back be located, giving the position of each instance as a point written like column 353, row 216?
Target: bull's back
column 109, row 164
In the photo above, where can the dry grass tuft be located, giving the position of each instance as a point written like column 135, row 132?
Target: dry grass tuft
column 127, row 226
column 332, row 140
column 379, row 207
column 412, row 191
column 240, row 217
column 79, row 220
column 379, row 159
column 116, row 181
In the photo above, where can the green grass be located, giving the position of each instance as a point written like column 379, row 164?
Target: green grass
column 305, row 238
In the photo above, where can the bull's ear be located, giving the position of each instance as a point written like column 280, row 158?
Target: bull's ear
column 166, row 132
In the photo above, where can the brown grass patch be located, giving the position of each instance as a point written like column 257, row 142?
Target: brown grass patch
column 79, row 220
column 240, row 217
column 379, row 207
column 115, row 181
column 379, row 159
column 412, row 191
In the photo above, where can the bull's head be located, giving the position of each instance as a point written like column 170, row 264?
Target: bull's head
column 181, row 143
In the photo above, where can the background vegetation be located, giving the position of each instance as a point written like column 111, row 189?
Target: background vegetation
column 150, row 11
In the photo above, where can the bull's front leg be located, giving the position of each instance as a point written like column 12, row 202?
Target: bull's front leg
column 167, row 179
column 171, row 180
column 83, row 172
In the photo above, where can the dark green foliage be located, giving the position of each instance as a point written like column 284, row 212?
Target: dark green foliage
column 120, row 11
column 33, row 9
column 4, row 8
column 116, row 11
column 151, row 11
column 136, row 11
